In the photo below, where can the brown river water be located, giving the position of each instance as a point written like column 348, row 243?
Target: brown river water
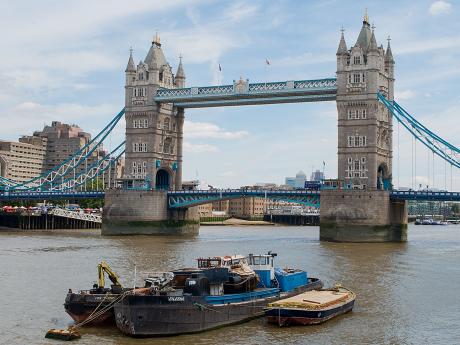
column 408, row 293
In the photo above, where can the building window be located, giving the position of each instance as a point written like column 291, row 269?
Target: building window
column 356, row 141
column 146, row 123
column 349, row 79
column 351, row 141
column 135, row 124
column 166, row 123
column 141, row 76
column 357, row 60
column 363, row 114
column 135, row 147
column 356, row 78
column 144, row 147
column 167, row 145
column 356, row 168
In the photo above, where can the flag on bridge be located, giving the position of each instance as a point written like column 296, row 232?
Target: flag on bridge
column 220, row 68
column 267, row 61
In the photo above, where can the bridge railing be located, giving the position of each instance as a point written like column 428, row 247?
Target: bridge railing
column 89, row 217
column 327, row 84
column 242, row 191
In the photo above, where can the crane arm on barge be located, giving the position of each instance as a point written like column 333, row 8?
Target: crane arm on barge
column 104, row 267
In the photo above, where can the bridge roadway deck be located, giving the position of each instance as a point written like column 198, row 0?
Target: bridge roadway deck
column 245, row 93
column 181, row 199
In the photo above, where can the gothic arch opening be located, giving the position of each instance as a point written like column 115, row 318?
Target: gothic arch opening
column 383, row 177
column 162, row 179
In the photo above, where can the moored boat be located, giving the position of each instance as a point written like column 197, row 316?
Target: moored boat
column 196, row 301
column 311, row 307
column 97, row 302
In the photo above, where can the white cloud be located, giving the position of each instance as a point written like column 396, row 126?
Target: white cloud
column 404, row 95
column 199, row 148
column 425, row 45
column 240, row 11
column 307, row 58
column 440, row 7
column 210, row 131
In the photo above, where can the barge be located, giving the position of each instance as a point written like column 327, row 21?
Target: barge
column 209, row 297
column 311, row 307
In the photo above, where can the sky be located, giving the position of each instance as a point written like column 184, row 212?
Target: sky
column 65, row 61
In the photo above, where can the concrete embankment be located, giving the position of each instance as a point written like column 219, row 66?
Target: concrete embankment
column 236, row 221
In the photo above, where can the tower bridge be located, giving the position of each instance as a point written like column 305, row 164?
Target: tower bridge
column 150, row 199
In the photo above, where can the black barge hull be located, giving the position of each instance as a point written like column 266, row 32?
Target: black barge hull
column 156, row 315
column 80, row 306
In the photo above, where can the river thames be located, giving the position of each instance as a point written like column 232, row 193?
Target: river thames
column 408, row 293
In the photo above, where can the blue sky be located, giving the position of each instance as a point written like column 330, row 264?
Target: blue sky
column 65, row 61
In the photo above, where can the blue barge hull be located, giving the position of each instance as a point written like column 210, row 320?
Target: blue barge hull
column 173, row 314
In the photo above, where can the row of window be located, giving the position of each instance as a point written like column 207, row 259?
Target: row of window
column 141, row 76
column 356, row 78
column 355, row 114
column 139, row 147
column 139, row 92
column 165, row 147
column 139, row 168
column 356, row 168
column 357, row 141
column 141, row 123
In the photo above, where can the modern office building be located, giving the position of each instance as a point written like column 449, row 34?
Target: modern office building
column 298, row 181
column 64, row 140
column 45, row 149
column 23, row 160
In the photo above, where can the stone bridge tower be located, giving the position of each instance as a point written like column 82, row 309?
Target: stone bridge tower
column 153, row 156
column 361, row 210
column 364, row 124
column 153, row 131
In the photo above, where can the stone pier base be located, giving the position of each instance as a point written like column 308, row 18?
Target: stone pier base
column 130, row 212
column 362, row 216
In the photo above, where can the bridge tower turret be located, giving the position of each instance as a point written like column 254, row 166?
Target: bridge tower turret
column 364, row 125
column 362, row 211
column 153, row 155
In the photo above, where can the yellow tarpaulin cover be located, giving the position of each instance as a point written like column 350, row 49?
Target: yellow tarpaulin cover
column 312, row 299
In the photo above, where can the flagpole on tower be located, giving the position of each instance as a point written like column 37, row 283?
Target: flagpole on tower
column 219, row 80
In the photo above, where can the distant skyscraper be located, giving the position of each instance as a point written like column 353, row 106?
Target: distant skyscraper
column 317, row 175
column 298, row 181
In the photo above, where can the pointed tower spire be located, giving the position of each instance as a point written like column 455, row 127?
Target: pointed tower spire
column 130, row 67
column 389, row 54
column 180, row 75
column 342, row 45
column 365, row 34
column 373, row 43
column 180, row 69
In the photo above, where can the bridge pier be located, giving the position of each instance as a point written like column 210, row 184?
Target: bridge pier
column 362, row 216
column 135, row 212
